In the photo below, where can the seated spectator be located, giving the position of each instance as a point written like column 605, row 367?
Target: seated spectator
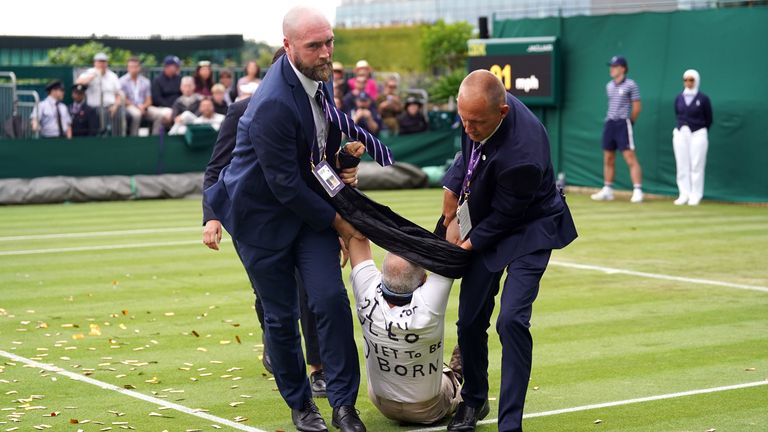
column 85, row 119
column 188, row 101
column 138, row 97
column 203, row 78
column 166, row 88
column 207, row 116
column 365, row 115
column 412, row 120
column 362, row 68
column 51, row 117
column 390, row 106
column 340, row 85
column 402, row 310
column 252, row 75
column 348, row 101
column 225, row 79
column 103, row 91
column 220, row 104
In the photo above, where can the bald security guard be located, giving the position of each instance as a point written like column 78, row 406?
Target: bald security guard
column 501, row 193
column 271, row 201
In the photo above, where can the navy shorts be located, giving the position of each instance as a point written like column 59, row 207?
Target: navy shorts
column 617, row 135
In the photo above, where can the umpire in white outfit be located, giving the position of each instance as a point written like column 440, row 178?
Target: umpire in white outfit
column 689, row 139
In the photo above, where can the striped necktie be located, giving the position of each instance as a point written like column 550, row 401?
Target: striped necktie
column 378, row 151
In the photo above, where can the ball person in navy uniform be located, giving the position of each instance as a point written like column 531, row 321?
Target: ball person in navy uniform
column 623, row 110
column 501, row 202
column 690, row 139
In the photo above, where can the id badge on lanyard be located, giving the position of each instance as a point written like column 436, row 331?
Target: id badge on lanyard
column 329, row 180
column 462, row 214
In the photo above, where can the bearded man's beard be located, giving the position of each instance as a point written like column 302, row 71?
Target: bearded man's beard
column 320, row 72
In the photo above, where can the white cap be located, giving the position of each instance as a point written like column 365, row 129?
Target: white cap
column 101, row 57
column 362, row 64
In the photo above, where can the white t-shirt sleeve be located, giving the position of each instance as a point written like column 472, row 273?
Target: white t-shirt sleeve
column 435, row 293
column 362, row 277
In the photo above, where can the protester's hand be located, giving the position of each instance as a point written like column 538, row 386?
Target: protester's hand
column 343, row 253
column 349, row 176
column 467, row 245
column 355, row 148
column 212, row 234
column 450, row 206
column 452, row 232
column 346, row 230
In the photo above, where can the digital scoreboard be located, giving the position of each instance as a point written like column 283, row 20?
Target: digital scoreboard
column 528, row 67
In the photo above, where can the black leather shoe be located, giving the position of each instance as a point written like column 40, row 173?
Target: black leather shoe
column 265, row 359
column 347, row 418
column 317, row 382
column 308, row 418
column 466, row 417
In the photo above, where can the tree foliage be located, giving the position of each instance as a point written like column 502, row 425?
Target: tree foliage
column 444, row 46
column 80, row 55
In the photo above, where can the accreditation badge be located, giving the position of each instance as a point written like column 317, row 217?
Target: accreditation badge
column 465, row 222
column 328, row 178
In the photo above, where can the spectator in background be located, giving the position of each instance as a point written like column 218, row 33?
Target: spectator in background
column 166, row 88
column 252, row 72
column 85, row 119
column 390, row 106
column 203, row 78
column 51, row 117
column 349, row 100
column 138, row 96
column 690, row 139
column 340, row 85
column 103, row 90
column 206, row 116
column 225, row 79
column 412, row 120
column 188, row 101
column 362, row 68
column 365, row 115
column 220, row 104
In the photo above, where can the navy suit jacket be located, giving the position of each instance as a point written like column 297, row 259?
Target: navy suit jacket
column 268, row 192
column 515, row 207
column 222, row 150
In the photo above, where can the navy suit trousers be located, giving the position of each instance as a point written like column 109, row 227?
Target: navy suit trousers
column 476, row 303
column 315, row 255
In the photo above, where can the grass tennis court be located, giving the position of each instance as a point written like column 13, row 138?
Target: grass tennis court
column 126, row 294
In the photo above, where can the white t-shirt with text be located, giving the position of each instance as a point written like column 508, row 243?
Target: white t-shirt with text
column 403, row 344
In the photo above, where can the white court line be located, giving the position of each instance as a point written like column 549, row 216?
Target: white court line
column 103, row 247
column 130, row 393
column 98, row 233
column 610, row 270
column 618, row 403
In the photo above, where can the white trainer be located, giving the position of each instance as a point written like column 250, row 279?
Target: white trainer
column 605, row 194
column 681, row 200
column 637, row 196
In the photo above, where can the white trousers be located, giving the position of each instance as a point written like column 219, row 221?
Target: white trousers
column 690, row 157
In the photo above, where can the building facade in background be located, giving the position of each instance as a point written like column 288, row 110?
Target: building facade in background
column 378, row 13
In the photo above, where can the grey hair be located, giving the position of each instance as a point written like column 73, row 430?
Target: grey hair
column 187, row 79
column 400, row 275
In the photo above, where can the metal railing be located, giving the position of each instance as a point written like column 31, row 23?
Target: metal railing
column 7, row 104
column 26, row 104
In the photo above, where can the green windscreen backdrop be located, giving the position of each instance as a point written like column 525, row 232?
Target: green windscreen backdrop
column 726, row 46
